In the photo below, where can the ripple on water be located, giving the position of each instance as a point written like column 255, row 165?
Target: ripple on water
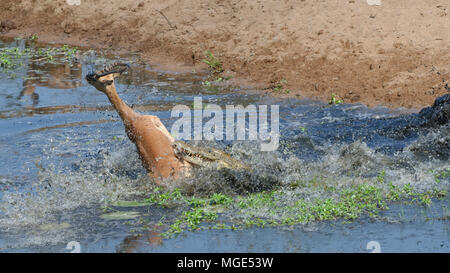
column 66, row 154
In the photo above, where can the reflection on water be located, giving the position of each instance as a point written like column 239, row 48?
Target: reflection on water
column 65, row 154
column 404, row 229
column 73, row 124
column 53, row 76
column 151, row 238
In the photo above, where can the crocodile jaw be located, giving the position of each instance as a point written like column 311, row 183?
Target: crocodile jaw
column 206, row 157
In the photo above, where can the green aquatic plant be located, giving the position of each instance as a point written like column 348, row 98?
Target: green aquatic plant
column 70, row 52
column 34, row 37
column 5, row 61
column 165, row 199
column 280, row 208
column 221, row 79
column 380, row 177
column 394, row 193
column 12, row 58
column 279, row 87
column 191, row 219
column 206, row 83
column 221, row 199
column 335, row 100
column 289, row 205
column 216, row 80
column 439, row 175
column 215, row 68
column 214, row 64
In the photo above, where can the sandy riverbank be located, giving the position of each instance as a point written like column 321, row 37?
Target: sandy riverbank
column 396, row 54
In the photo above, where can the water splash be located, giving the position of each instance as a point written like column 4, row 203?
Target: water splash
column 59, row 177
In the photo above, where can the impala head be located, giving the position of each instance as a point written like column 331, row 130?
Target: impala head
column 103, row 80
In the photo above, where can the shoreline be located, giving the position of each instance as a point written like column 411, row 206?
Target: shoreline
column 312, row 58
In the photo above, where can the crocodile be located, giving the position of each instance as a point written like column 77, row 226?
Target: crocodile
column 207, row 157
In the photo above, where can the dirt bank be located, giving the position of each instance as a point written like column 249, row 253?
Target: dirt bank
column 395, row 54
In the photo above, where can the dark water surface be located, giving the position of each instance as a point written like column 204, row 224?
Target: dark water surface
column 64, row 154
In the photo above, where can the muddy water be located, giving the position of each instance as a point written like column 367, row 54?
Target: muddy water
column 65, row 155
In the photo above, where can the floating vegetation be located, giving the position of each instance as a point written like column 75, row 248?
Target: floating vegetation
column 13, row 58
column 286, row 205
column 279, row 87
column 34, row 37
column 55, row 226
column 335, row 100
column 331, row 164
column 120, row 215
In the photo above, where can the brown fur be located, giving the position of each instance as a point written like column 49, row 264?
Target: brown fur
column 153, row 141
